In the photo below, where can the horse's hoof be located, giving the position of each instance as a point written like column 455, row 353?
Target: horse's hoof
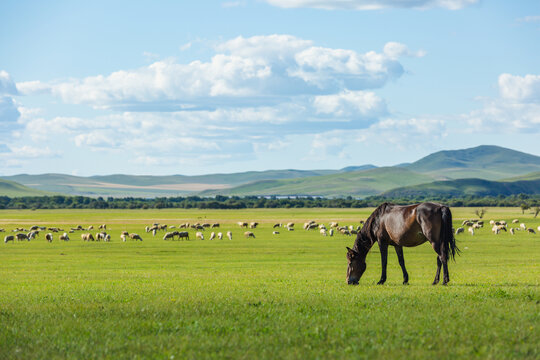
column 405, row 283
column 435, row 283
column 381, row 282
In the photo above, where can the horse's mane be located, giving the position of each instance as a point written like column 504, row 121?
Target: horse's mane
column 367, row 235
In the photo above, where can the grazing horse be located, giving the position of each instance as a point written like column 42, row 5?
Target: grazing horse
column 402, row 226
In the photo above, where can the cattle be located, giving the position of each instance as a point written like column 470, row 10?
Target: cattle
column 471, row 230
column 459, row 230
column 169, row 235
column 21, row 237
column 253, row 225
column 199, row 235
column 183, row 235
column 229, row 235
column 220, row 236
column 249, row 234
column 9, row 238
column 212, row 235
column 242, row 224
column 531, row 231
column 134, row 236
column 49, row 237
column 87, row 237
column 64, row 237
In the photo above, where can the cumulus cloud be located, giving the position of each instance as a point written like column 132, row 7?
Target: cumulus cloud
column 7, row 86
column 350, row 104
column 517, row 108
column 372, row 4
column 255, row 71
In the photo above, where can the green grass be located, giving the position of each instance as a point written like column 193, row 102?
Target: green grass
column 13, row 189
column 271, row 297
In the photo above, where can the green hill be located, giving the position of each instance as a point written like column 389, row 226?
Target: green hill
column 13, row 189
column 463, row 187
column 483, row 162
column 355, row 183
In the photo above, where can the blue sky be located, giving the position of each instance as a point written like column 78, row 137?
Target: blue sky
column 177, row 87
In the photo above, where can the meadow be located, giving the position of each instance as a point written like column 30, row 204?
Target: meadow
column 275, row 296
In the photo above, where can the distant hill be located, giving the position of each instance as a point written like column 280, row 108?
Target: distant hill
column 13, row 189
column 359, row 183
column 483, row 162
column 463, row 187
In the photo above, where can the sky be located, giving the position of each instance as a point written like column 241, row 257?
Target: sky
column 198, row 87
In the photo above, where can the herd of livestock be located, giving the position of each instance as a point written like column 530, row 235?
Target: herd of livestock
column 496, row 226
column 181, row 232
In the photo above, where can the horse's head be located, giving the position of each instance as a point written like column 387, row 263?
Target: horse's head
column 356, row 266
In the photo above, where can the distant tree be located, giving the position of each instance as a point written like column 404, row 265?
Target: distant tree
column 536, row 211
column 524, row 207
column 480, row 212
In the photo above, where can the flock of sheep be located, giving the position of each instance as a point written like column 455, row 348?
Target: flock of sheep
column 496, row 226
column 169, row 231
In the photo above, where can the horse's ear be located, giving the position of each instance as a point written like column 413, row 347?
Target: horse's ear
column 350, row 252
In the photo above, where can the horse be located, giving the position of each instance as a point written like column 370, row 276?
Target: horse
column 399, row 226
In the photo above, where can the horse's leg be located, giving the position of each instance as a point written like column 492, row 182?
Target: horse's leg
column 401, row 259
column 446, row 276
column 383, row 246
column 438, row 273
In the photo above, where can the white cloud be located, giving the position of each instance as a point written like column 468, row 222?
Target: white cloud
column 520, row 88
column 9, row 114
column 395, row 50
column 532, row 18
column 261, row 70
column 350, row 104
column 7, row 86
column 372, row 4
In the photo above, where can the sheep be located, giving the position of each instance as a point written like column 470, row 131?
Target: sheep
column 531, row 231
column 172, row 227
column 334, row 224
column 183, row 235
column 49, row 237
column 229, row 235
column 290, row 225
column 212, row 235
column 459, row 230
column 522, row 226
column 290, row 228
column 87, row 237
column 123, row 237
column 215, row 225
column 331, row 232
column 512, row 231
column 538, row 228
column 515, row 221
column 9, row 238
column 242, row 224
column 491, row 222
column 134, row 236
column 199, row 235
column 35, row 227
column 495, row 229
column 107, row 238
column 322, row 227
column 168, row 236
column 275, row 232
column 90, row 228
column 64, row 237
column 101, row 236
column 103, row 227
column 248, row 234
column 21, row 237
column 2, row 230
column 323, row 232
column 276, row 225
column 220, row 236
column 471, row 230
column 253, row 225
column 32, row 235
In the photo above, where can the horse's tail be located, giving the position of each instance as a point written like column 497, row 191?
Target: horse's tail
column 447, row 235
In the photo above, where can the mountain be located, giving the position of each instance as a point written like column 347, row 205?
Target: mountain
column 359, row 183
column 119, row 185
column 463, row 187
column 483, row 162
column 12, row 189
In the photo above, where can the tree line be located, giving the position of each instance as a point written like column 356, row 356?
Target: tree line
column 249, row 202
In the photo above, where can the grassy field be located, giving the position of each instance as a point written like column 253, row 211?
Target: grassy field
column 275, row 296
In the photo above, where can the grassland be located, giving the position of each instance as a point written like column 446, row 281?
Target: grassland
column 276, row 296
column 13, row 189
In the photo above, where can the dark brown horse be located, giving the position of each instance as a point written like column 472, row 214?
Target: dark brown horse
column 402, row 226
